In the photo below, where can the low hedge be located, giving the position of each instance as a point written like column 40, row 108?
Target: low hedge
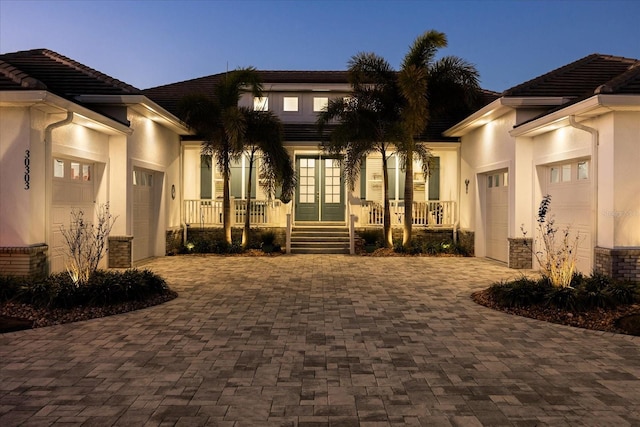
column 585, row 293
column 104, row 288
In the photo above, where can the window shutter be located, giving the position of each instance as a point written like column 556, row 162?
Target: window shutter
column 434, row 179
column 206, row 177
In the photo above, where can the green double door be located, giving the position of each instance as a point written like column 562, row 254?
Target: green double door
column 320, row 190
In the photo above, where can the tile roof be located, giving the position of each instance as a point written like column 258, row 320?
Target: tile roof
column 578, row 79
column 44, row 69
column 169, row 95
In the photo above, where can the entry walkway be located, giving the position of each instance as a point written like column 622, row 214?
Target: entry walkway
column 325, row 340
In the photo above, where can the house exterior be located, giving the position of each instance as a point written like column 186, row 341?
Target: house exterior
column 74, row 138
column 574, row 134
column 321, row 197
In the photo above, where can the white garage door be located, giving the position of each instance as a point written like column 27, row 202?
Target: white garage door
column 569, row 186
column 497, row 204
column 73, row 190
column 143, row 215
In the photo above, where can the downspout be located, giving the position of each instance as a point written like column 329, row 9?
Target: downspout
column 459, row 193
column 595, row 142
column 48, row 179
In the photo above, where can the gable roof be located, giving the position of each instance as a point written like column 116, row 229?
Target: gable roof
column 575, row 80
column 44, row 69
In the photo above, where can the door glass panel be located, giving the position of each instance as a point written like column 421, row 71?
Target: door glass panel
column 332, row 181
column 307, row 181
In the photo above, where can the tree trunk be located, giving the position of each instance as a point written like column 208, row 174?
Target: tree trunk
column 408, row 201
column 226, row 206
column 386, row 228
column 247, row 213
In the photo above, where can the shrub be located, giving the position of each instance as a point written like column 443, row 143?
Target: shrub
column 521, row 292
column 86, row 243
column 103, row 288
column 10, row 287
column 557, row 260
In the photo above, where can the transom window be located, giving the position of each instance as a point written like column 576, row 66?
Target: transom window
column 72, row 170
column 142, row 179
column 568, row 172
column 498, row 180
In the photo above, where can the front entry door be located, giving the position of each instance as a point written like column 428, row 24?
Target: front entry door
column 319, row 194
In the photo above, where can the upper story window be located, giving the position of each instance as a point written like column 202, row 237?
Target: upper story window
column 261, row 104
column 290, row 104
column 320, row 103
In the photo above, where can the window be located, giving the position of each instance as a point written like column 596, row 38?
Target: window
column 58, row 168
column 290, row 103
column 261, row 104
column 72, row 170
column 320, row 103
column 561, row 173
column 75, row 171
column 498, row 180
column 583, row 170
column 142, row 179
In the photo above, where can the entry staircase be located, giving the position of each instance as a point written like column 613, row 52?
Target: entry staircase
column 320, row 239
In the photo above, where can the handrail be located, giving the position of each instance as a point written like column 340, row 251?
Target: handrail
column 432, row 213
column 209, row 212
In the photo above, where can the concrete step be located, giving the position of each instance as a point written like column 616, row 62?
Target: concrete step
column 319, row 240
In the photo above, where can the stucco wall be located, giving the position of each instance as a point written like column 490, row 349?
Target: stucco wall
column 157, row 149
column 625, row 214
column 14, row 198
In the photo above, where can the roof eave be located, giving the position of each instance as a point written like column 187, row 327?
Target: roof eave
column 586, row 109
column 142, row 105
column 498, row 108
column 56, row 104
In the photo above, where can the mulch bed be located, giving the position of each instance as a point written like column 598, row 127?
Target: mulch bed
column 15, row 316
column 597, row 319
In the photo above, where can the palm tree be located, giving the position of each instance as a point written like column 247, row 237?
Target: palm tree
column 429, row 87
column 221, row 124
column 388, row 107
column 263, row 137
column 366, row 122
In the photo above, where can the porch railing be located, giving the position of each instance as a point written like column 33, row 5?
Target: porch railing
column 433, row 213
column 203, row 212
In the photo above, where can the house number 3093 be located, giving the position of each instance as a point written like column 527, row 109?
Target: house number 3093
column 27, row 161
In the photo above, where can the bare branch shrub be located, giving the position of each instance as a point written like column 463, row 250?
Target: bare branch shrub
column 557, row 259
column 86, row 243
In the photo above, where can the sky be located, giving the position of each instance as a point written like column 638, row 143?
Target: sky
column 150, row 43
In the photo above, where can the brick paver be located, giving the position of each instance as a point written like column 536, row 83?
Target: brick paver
column 320, row 341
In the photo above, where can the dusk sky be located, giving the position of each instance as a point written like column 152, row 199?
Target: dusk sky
column 151, row 43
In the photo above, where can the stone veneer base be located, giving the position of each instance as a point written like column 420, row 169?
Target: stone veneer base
column 120, row 251
column 27, row 261
column 520, row 253
column 620, row 263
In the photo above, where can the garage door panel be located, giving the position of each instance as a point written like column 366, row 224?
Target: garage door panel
column 144, row 215
column 497, row 216
column 571, row 207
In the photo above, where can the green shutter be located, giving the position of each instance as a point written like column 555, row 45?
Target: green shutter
column 236, row 179
column 363, row 178
column 205, row 177
column 391, row 169
column 434, row 179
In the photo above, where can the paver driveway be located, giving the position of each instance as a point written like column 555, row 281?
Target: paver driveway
column 316, row 341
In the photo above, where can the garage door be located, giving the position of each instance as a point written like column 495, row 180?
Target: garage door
column 497, row 204
column 569, row 186
column 143, row 215
column 73, row 190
